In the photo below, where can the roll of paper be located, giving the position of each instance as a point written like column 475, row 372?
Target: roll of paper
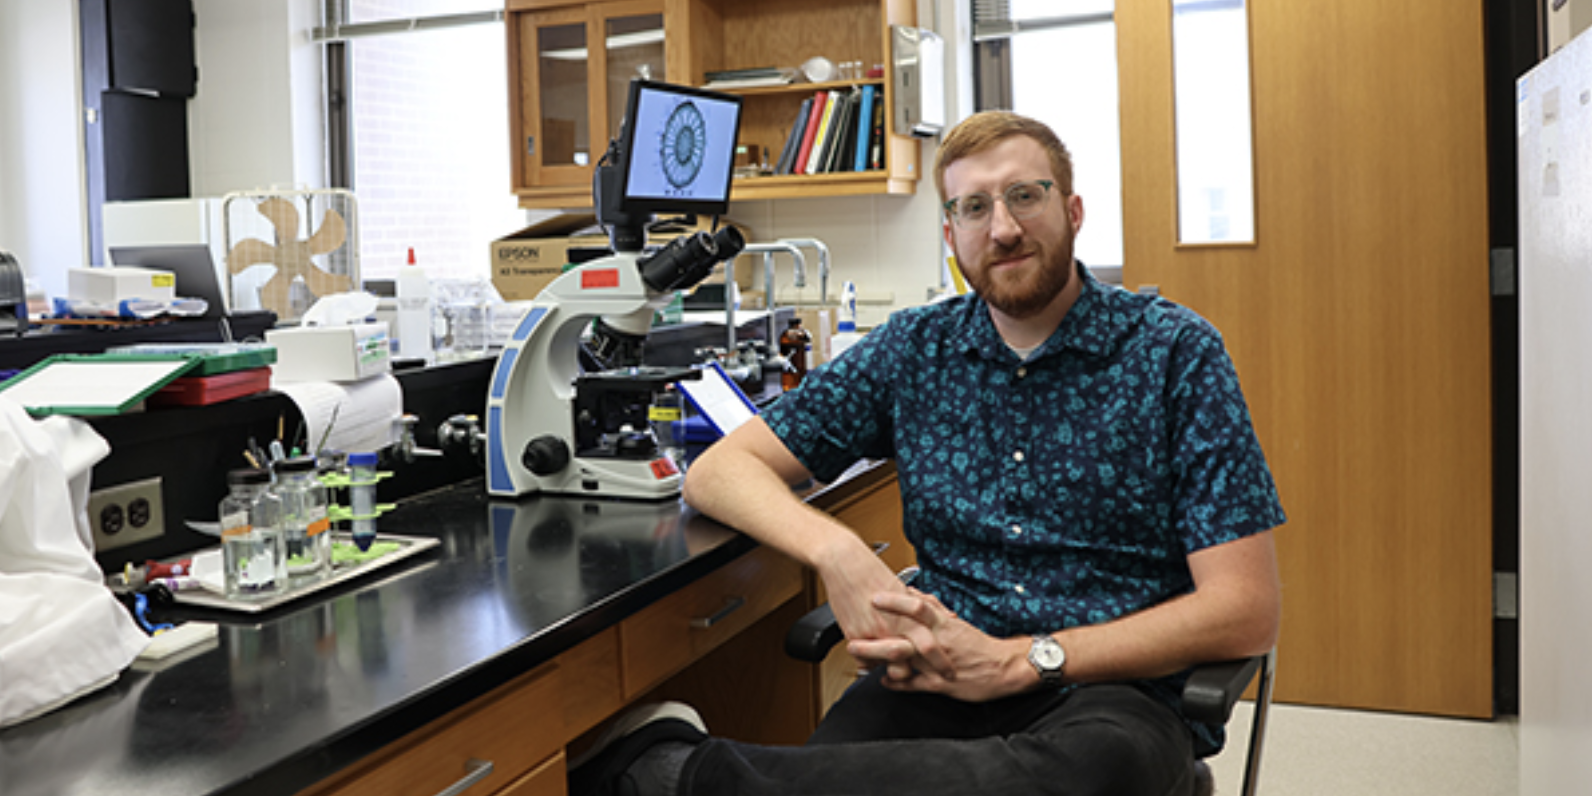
column 348, row 416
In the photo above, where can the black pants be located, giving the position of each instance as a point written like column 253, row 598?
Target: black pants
column 1105, row 739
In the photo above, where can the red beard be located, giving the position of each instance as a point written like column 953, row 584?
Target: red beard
column 1025, row 290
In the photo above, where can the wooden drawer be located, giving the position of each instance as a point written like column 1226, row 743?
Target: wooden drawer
column 668, row 635
column 548, row 779
column 591, row 685
column 516, row 728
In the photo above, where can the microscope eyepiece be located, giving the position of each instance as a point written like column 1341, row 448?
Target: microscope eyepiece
column 689, row 259
column 729, row 242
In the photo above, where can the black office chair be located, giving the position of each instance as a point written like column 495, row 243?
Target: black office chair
column 1208, row 696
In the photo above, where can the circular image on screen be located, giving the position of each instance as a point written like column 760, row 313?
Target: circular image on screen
column 684, row 144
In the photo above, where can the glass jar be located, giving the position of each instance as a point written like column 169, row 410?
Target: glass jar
column 305, row 525
column 253, row 558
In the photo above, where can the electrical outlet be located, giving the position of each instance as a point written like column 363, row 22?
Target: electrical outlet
column 126, row 513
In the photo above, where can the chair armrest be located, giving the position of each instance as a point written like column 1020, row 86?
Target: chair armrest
column 812, row 636
column 1213, row 688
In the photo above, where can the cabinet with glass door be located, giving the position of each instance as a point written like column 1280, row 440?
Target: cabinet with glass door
column 567, row 105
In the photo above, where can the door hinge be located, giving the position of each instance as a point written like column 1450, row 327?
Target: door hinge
column 1506, row 595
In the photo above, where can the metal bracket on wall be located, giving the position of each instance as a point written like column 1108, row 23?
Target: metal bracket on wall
column 1503, row 271
column 1506, row 595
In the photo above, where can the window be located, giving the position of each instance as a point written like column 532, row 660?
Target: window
column 427, row 133
column 1056, row 61
column 1215, row 164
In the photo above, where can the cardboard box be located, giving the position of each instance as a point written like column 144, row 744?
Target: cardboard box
column 330, row 353
column 111, row 285
column 524, row 262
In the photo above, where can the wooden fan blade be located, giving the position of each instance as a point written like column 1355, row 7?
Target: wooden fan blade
column 250, row 251
column 331, row 234
column 283, row 216
column 274, row 294
column 324, row 284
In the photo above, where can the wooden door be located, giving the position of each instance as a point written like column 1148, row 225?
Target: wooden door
column 1359, row 325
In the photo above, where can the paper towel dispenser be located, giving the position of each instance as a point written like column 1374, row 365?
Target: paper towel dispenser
column 919, row 74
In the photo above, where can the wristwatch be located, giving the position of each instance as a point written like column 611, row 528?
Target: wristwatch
column 1047, row 658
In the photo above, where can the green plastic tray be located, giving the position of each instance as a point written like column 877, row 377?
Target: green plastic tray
column 213, row 358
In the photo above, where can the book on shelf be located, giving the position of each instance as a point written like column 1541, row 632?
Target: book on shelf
column 835, row 130
column 735, row 74
column 845, row 134
column 876, row 138
column 837, row 125
column 814, row 116
column 793, row 142
column 863, row 130
column 815, row 157
column 749, row 82
column 749, row 78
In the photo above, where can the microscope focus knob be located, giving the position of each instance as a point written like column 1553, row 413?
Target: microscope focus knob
column 546, row 455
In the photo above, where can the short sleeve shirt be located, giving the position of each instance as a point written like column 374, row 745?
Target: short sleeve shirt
column 1060, row 490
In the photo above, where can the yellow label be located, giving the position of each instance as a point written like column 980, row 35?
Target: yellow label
column 318, row 527
column 163, row 280
column 663, row 414
column 236, row 530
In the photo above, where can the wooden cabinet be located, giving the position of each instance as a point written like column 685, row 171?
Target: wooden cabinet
column 676, row 630
column 512, row 740
column 565, row 105
column 506, row 742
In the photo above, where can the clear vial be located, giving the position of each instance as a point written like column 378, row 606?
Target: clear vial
column 254, row 562
column 664, row 416
column 362, row 497
column 305, row 525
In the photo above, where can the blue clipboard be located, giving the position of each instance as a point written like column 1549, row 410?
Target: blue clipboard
column 718, row 399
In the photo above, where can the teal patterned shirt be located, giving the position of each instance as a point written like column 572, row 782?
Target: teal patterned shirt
column 1062, row 490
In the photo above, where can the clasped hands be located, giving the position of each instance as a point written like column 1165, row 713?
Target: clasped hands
column 924, row 646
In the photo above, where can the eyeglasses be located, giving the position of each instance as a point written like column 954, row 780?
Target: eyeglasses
column 1023, row 200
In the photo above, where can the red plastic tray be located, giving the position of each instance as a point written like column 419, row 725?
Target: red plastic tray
column 202, row 390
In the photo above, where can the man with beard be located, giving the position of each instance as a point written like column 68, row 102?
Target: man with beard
column 1089, row 506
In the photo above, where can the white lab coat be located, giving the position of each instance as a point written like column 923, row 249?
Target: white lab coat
column 62, row 633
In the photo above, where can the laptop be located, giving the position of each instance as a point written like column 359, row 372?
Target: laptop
column 192, row 264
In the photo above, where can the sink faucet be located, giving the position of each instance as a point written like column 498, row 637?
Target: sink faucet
column 406, row 447
column 768, row 250
column 823, row 265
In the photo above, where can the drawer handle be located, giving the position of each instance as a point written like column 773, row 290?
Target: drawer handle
column 476, row 770
column 731, row 605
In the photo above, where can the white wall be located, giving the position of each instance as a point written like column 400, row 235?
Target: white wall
column 256, row 122
column 42, row 210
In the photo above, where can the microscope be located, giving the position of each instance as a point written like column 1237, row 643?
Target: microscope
column 569, row 403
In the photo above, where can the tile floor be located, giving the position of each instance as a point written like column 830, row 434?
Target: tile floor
column 1317, row 751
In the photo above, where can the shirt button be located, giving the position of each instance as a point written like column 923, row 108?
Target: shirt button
column 1018, row 456
column 1022, row 372
column 1020, row 589
column 1017, row 530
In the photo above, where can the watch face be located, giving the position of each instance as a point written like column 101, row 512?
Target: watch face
column 1047, row 654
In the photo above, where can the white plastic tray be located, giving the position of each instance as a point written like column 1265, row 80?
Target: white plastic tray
column 408, row 546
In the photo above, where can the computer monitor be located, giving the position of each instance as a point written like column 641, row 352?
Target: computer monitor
column 191, row 263
column 678, row 149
